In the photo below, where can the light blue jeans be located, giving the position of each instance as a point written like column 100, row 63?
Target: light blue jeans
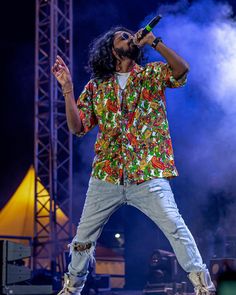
column 154, row 198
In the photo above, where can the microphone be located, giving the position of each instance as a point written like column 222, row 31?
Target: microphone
column 149, row 27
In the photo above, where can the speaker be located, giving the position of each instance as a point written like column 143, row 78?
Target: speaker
column 13, row 270
column 12, row 264
column 163, row 267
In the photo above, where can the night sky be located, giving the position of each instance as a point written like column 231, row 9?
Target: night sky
column 201, row 116
column 17, row 98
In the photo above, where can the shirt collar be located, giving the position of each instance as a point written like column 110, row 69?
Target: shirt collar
column 136, row 69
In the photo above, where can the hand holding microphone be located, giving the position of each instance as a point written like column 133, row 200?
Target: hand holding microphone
column 145, row 36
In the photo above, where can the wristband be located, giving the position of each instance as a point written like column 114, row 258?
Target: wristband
column 156, row 41
column 66, row 90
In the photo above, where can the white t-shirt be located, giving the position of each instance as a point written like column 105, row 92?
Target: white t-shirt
column 122, row 80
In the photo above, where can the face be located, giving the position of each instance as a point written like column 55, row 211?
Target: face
column 123, row 45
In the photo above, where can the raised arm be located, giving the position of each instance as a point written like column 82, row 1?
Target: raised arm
column 178, row 65
column 63, row 76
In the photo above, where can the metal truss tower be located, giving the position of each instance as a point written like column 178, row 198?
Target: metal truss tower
column 53, row 141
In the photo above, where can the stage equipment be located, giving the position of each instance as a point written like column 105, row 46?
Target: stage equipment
column 13, row 270
column 219, row 266
column 162, row 267
column 53, row 141
column 165, row 275
column 166, row 289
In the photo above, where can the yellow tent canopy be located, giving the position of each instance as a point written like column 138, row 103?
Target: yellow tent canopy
column 17, row 216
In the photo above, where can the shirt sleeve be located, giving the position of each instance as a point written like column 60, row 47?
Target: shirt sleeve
column 164, row 73
column 86, row 109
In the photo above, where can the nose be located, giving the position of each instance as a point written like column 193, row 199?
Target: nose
column 131, row 41
column 131, row 38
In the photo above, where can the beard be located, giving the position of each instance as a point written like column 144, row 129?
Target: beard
column 133, row 52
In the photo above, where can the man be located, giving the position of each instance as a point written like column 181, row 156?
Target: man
column 134, row 158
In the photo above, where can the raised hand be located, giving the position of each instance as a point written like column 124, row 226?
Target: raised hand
column 140, row 42
column 61, row 72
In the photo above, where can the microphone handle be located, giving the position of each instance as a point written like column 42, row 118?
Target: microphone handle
column 149, row 27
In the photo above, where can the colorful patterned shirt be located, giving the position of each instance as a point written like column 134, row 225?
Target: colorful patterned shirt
column 133, row 136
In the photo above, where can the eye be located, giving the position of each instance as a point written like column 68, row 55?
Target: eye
column 125, row 36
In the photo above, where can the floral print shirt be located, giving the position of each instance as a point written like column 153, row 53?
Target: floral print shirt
column 133, row 134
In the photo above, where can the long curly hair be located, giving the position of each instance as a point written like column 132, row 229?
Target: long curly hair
column 101, row 61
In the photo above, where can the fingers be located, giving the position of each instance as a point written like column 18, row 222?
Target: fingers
column 57, row 71
column 140, row 40
column 56, row 68
column 60, row 70
column 139, row 34
column 137, row 37
column 61, row 61
column 59, row 66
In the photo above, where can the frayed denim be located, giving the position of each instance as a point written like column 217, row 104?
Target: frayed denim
column 154, row 198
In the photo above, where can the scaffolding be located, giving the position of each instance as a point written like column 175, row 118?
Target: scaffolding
column 53, row 141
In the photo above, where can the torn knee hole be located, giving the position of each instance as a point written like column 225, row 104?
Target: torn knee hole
column 82, row 246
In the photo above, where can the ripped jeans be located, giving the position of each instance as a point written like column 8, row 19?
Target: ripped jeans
column 154, row 198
